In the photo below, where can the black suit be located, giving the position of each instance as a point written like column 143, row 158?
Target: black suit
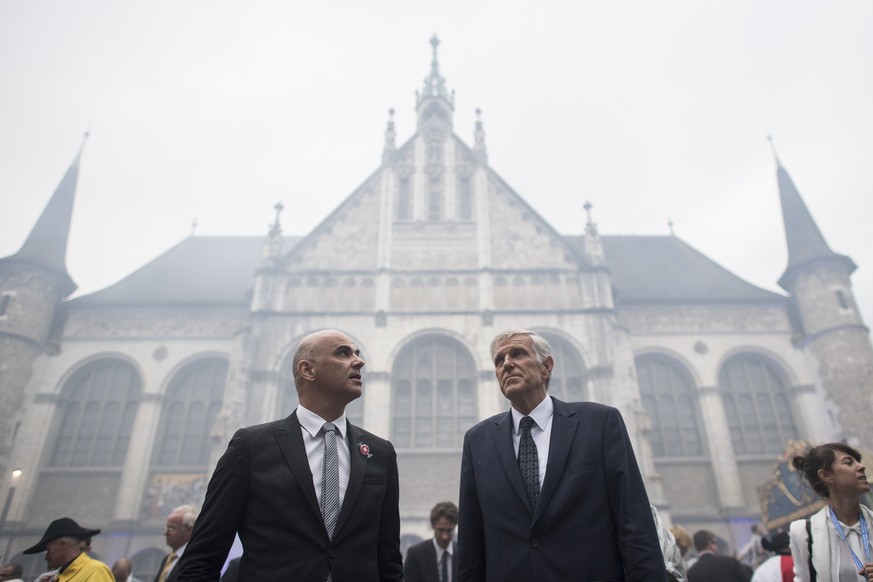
column 593, row 520
column 161, row 568
column 421, row 563
column 262, row 489
column 715, row 568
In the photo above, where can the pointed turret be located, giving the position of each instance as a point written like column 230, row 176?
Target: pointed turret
column 434, row 103
column 829, row 327
column 806, row 244
column 33, row 284
column 46, row 246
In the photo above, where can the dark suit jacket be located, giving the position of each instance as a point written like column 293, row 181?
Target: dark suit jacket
column 262, row 489
column 161, row 568
column 421, row 565
column 714, row 568
column 593, row 519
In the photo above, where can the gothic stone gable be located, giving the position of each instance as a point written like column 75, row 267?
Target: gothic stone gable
column 347, row 240
column 520, row 238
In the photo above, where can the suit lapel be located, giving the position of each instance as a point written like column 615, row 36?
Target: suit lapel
column 357, row 468
column 290, row 442
column 503, row 444
column 564, row 426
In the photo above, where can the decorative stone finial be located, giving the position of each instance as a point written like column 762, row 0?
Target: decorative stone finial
column 390, row 137
column 479, row 139
column 593, row 243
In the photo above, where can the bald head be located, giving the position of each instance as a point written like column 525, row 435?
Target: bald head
column 121, row 569
column 327, row 372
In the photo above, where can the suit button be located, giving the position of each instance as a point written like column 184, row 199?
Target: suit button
column 330, row 556
column 535, row 543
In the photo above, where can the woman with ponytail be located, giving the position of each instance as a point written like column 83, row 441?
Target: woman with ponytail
column 834, row 544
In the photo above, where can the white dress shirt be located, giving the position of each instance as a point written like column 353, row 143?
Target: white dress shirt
column 439, row 557
column 540, row 431
column 313, row 440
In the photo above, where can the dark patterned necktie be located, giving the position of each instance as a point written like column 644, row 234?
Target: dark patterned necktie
column 528, row 462
column 444, row 567
column 330, row 480
column 330, row 505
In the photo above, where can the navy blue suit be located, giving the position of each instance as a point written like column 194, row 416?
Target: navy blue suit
column 593, row 520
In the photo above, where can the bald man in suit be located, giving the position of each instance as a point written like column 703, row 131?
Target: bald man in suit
column 276, row 486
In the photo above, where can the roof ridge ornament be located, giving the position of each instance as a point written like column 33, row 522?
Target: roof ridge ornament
column 435, row 84
column 479, row 139
column 594, row 252
column 390, row 137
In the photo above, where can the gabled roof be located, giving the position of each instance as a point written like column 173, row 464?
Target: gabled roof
column 199, row 271
column 219, row 271
column 662, row 269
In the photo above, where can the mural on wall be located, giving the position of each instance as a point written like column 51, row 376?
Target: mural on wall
column 787, row 496
column 167, row 491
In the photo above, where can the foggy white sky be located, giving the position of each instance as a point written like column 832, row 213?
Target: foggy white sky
column 217, row 110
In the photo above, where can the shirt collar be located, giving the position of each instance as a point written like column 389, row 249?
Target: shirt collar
column 541, row 414
column 439, row 550
column 312, row 423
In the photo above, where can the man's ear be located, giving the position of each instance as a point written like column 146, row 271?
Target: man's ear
column 548, row 364
column 306, row 370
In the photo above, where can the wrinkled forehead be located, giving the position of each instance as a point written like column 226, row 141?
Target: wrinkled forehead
column 516, row 340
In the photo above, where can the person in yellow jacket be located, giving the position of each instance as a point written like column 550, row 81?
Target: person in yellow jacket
column 64, row 551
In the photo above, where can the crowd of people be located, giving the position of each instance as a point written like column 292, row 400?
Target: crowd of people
column 549, row 490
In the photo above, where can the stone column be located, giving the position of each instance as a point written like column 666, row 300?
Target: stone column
column 721, row 451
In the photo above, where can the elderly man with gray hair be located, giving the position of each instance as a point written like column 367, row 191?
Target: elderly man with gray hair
column 177, row 532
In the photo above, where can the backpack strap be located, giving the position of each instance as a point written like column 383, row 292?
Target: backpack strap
column 812, row 574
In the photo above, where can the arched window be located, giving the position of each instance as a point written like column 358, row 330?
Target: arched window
column 191, row 406
column 433, row 387
column 668, row 398
column 757, row 406
column 98, row 405
column 568, row 377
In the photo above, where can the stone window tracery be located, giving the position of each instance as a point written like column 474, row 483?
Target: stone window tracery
column 433, row 387
column 668, row 398
column 98, row 407
column 191, row 406
column 757, row 405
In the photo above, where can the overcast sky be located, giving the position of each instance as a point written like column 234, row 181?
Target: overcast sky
column 649, row 109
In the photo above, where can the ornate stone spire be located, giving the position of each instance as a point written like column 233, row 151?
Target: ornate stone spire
column 479, row 140
column 390, row 137
column 435, row 84
column 434, row 103
column 593, row 243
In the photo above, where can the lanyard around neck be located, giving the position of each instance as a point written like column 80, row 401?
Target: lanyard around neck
column 864, row 536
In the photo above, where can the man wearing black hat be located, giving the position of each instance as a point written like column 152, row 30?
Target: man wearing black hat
column 63, row 545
